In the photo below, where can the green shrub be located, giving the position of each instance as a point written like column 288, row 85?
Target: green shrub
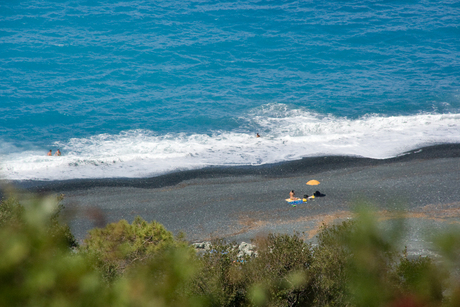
column 121, row 244
column 329, row 268
column 379, row 275
column 421, row 277
column 221, row 280
column 37, row 267
column 13, row 214
column 278, row 276
column 165, row 280
column 355, row 263
column 282, row 270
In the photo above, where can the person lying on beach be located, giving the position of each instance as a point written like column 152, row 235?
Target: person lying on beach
column 58, row 153
column 292, row 195
column 50, row 153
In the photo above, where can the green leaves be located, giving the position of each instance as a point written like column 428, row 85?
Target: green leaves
column 38, row 267
column 355, row 263
column 119, row 245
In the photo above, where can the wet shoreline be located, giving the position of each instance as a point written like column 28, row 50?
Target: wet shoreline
column 239, row 203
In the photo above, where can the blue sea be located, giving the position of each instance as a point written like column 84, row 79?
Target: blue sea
column 143, row 88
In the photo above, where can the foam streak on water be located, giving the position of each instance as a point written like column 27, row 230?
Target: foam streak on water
column 284, row 136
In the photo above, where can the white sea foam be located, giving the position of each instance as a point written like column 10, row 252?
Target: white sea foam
column 286, row 134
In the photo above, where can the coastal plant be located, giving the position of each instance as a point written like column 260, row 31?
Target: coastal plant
column 448, row 245
column 355, row 263
column 277, row 276
column 222, row 279
column 420, row 279
column 119, row 245
column 281, row 271
column 329, row 265
column 377, row 273
column 14, row 214
column 37, row 267
column 59, row 228
column 165, row 280
column 11, row 212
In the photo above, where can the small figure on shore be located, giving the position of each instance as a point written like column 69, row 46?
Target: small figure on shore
column 319, row 194
column 257, row 135
column 58, row 153
column 50, row 153
column 292, row 195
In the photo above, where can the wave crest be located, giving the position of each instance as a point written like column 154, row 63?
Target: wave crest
column 286, row 134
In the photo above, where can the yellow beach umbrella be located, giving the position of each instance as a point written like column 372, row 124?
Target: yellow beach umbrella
column 313, row 182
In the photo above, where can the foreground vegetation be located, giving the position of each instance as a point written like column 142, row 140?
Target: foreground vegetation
column 355, row 263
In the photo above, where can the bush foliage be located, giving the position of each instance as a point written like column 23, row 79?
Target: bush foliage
column 354, row 263
column 121, row 244
column 38, row 266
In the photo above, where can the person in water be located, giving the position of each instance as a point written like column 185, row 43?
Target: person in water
column 50, row 153
column 58, row 153
column 257, row 135
column 292, row 195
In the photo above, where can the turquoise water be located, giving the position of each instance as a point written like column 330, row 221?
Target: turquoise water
column 141, row 88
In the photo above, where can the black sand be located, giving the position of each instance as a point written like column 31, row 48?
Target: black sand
column 241, row 202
